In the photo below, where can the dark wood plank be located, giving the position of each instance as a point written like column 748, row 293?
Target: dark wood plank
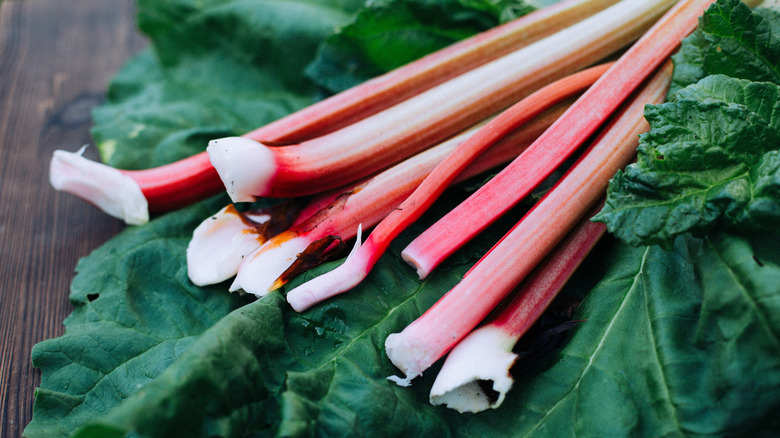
column 56, row 58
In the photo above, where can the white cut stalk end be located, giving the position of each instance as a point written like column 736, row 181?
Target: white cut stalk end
column 218, row 246
column 417, row 262
column 475, row 376
column 404, row 355
column 348, row 275
column 259, row 272
column 103, row 186
column 244, row 165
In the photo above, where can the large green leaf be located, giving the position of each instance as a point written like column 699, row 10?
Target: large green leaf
column 145, row 349
column 680, row 342
column 135, row 312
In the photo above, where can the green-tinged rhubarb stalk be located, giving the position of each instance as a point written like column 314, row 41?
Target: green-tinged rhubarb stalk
column 476, row 374
column 132, row 195
column 493, row 277
column 362, row 259
column 250, row 169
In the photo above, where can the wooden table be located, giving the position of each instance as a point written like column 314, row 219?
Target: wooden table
column 56, row 58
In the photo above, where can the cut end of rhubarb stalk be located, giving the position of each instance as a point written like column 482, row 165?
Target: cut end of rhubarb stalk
column 416, row 262
column 245, row 166
column 475, row 376
column 103, row 186
column 348, row 275
column 257, row 275
column 219, row 245
column 404, row 356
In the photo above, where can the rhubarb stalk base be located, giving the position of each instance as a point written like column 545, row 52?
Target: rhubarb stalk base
column 240, row 159
column 103, row 186
column 476, row 376
column 218, row 246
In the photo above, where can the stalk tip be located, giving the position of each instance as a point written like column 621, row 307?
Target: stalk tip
column 218, row 246
column 475, row 376
column 415, row 262
column 341, row 279
column 404, row 355
column 244, row 165
column 103, row 186
column 302, row 299
column 257, row 274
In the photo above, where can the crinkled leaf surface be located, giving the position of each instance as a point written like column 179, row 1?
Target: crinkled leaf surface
column 135, row 312
column 731, row 40
column 710, row 160
column 684, row 341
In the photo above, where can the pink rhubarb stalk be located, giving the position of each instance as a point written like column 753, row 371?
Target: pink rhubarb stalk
column 360, row 261
column 250, row 169
column 132, row 194
column 433, row 334
column 366, row 203
column 581, row 120
column 476, row 374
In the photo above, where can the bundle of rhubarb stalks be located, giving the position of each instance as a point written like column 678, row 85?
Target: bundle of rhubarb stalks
column 566, row 82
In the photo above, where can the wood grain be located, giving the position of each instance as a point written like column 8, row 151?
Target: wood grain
column 56, row 58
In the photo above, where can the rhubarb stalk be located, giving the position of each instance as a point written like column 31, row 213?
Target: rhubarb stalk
column 250, row 169
column 476, row 374
column 360, row 262
column 442, row 326
column 132, row 195
column 302, row 246
column 581, row 120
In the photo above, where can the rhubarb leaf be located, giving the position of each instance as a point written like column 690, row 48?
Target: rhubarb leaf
column 216, row 68
column 710, row 161
column 684, row 342
column 390, row 33
column 680, row 342
column 732, row 40
column 135, row 312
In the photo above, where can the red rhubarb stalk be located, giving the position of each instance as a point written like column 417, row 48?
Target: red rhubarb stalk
column 476, row 374
column 133, row 194
column 360, row 261
column 367, row 202
column 433, row 334
column 250, row 169
column 581, row 120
